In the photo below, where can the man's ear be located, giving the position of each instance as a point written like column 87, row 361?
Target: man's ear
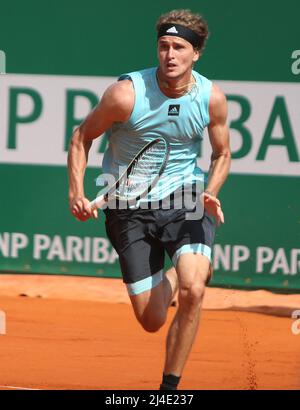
column 197, row 55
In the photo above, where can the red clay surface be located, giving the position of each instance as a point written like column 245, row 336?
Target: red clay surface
column 80, row 344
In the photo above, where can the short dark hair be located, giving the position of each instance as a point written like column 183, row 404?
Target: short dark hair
column 188, row 19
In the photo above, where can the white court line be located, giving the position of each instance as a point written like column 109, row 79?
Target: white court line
column 18, row 388
column 2, row 323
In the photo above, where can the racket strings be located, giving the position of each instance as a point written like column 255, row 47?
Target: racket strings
column 144, row 171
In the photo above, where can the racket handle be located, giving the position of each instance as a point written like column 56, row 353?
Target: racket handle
column 98, row 202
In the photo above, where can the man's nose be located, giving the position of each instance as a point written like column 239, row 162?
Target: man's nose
column 170, row 52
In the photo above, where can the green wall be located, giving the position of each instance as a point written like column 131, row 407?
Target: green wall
column 250, row 40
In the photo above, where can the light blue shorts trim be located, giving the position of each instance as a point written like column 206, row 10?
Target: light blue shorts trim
column 192, row 248
column 145, row 284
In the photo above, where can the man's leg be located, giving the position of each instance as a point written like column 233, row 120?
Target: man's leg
column 193, row 271
column 150, row 307
column 170, row 286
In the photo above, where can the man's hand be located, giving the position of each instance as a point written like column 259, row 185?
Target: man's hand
column 213, row 207
column 80, row 208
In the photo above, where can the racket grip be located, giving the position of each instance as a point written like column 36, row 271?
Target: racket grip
column 98, row 202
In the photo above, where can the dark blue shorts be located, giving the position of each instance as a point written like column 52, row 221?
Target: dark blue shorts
column 141, row 237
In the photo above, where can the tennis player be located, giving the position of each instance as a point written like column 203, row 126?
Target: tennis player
column 175, row 102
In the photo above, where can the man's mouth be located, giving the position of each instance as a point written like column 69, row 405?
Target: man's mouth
column 171, row 65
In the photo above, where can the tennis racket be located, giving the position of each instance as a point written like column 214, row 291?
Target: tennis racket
column 141, row 175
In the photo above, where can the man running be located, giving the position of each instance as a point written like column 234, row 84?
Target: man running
column 175, row 102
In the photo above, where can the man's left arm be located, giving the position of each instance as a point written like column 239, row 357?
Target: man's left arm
column 220, row 159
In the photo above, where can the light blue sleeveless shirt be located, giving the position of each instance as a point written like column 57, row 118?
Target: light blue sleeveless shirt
column 180, row 121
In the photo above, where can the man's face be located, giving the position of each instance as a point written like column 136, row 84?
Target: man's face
column 176, row 56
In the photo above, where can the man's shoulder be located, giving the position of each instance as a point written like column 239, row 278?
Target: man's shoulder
column 121, row 94
column 119, row 90
column 139, row 74
column 119, row 99
column 217, row 104
column 217, row 95
column 202, row 78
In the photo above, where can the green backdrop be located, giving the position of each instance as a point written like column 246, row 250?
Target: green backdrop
column 249, row 42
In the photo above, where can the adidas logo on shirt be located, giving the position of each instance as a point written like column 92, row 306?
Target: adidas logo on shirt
column 174, row 109
column 172, row 30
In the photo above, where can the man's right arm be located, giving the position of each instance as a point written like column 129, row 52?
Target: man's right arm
column 116, row 105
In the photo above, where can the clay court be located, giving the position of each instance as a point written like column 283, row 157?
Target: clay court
column 80, row 333
column 57, row 61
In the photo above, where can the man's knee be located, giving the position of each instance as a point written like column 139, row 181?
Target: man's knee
column 150, row 308
column 191, row 295
column 150, row 316
column 152, row 324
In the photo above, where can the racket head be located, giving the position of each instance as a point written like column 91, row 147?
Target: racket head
column 143, row 172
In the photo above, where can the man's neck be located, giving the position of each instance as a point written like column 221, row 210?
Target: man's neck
column 175, row 88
